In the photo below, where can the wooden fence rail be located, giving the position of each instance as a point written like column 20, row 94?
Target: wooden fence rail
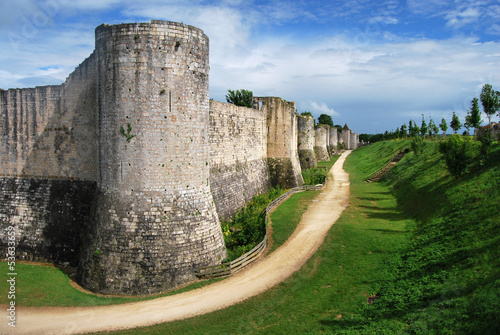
column 228, row 268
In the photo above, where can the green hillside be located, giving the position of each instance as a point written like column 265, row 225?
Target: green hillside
column 447, row 281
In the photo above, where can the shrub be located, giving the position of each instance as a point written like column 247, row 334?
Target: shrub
column 461, row 154
column 248, row 226
column 417, row 145
column 314, row 176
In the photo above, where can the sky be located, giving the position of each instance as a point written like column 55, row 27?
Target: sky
column 374, row 65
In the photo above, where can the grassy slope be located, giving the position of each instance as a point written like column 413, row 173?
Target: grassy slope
column 40, row 285
column 448, row 280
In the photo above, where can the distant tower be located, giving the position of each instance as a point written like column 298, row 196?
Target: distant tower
column 154, row 218
column 321, row 147
column 282, row 143
column 306, row 135
column 334, row 140
column 346, row 136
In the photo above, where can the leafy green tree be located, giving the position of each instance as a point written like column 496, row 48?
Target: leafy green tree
column 403, row 130
column 433, row 129
column 240, row 98
column 474, row 116
column 325, row 119
column 444, row 126
column 490, row 99
column 455, row 123
column 414, row 129
column 423, row 127
column 467, row 124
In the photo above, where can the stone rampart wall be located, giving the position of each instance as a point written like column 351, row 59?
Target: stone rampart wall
column 50, row 131
column 238, row 156
column 48, row 169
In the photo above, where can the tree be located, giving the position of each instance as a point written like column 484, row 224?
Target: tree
column 414, row 129
column 490, row 101
column 403, row 130
column 461, row 154
column 474, row 119
column 397, row 133
column 443, row 126
column 455, row 123
column 433, row 129
column 240, row 98
column 423, row 127
column 467, row 124
column 325, row 119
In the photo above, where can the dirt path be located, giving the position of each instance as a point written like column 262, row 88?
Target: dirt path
column 257, row 278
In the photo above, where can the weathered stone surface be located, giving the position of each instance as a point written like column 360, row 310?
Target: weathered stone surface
column 282, row 152
column 48, row 216
column 306, row 134
column 238, row 156
column 321, row 146
column 333, row 141
column 155, row 220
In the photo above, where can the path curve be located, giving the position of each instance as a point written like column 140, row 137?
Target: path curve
column 257, row 278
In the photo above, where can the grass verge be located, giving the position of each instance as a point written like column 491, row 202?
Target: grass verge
column 287, row 216
column 318, row 174
column 46, row 285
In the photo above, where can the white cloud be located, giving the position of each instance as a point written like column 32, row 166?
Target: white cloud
column 463, row 16
column 321, row 108
column 494, row 29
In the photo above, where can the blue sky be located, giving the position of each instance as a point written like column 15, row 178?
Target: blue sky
column 371, row 64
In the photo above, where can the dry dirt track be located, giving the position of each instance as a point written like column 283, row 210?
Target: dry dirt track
column 257, row 278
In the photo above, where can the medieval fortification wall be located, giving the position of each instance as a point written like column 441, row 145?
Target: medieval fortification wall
column 125, row 170
column 238, row 156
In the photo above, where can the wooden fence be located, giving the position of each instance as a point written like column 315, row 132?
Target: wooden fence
column 228, row 268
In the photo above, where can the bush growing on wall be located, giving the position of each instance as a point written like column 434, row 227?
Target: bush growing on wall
column 240, row 98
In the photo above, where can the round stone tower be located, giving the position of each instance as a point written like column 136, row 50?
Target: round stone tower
column 333, row 142
column 154, row 219
column 321, row 139
column 306, row 142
